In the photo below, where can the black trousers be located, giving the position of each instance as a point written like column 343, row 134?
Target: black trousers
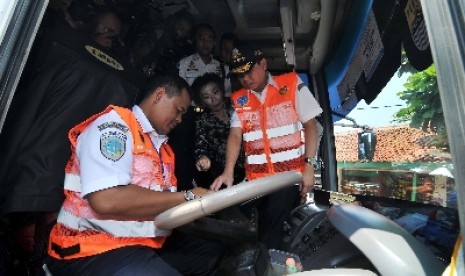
column 192, row 255
column 125, row 261
column 182, row 254
column 273, row 210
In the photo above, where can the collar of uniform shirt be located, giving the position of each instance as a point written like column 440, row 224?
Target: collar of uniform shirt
column 197, row 56
column 269, row 81
column 262, row 94
column 157, row 140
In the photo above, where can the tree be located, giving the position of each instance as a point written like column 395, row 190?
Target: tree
column 424, row 109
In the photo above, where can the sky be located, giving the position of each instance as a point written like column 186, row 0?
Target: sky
column 385, row 105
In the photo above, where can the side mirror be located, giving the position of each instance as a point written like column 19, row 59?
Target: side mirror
column 366, row 145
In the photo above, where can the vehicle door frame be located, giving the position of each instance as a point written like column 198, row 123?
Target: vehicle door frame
column 20, row 23
column 446, row 28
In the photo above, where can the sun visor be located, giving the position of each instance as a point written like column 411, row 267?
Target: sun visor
column 371, row 48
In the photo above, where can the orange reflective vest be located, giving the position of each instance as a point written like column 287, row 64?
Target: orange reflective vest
column 81, row 232
column 271, row 132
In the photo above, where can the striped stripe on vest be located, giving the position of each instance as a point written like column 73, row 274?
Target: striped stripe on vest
column 272, row 132
column 81, row 232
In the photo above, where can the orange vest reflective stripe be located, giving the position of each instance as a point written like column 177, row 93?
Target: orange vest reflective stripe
column 81, row 232
column 272, row 132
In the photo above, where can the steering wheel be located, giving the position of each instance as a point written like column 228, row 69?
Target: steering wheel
column 390, row 248
column 211, row 203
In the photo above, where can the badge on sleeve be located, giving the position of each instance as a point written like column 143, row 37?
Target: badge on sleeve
column 113, row 145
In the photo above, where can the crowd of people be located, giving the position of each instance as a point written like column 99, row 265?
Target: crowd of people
column 130, row 128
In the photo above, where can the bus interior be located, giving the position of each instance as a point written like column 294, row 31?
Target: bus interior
column 367, row 213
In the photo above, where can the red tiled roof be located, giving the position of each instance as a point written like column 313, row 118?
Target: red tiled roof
column 394, row 144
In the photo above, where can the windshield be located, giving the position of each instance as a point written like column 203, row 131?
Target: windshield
column 395, row 150
column 397, row 146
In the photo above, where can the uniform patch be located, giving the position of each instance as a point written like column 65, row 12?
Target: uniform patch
column 113, row 145
column 192, row 66
column 103, row 57
column 242, row 100
column 117, row 125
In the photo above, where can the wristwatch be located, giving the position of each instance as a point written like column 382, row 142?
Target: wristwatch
column 310, row 160
column 189, row 195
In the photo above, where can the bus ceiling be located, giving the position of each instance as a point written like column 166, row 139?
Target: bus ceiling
column 358, row 44
column 355, row 44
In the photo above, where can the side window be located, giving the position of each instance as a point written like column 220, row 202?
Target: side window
column 397, row 146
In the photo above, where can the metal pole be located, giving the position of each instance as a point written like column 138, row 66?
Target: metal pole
column 329, row 169
column 445, row 22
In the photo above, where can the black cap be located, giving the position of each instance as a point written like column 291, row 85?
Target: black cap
column 244, row 57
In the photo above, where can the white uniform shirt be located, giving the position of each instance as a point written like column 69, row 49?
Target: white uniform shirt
column 98, row 171
column 193, row 66
column 306, row 105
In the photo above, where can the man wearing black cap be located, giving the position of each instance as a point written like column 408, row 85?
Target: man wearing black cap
column 272, row 115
